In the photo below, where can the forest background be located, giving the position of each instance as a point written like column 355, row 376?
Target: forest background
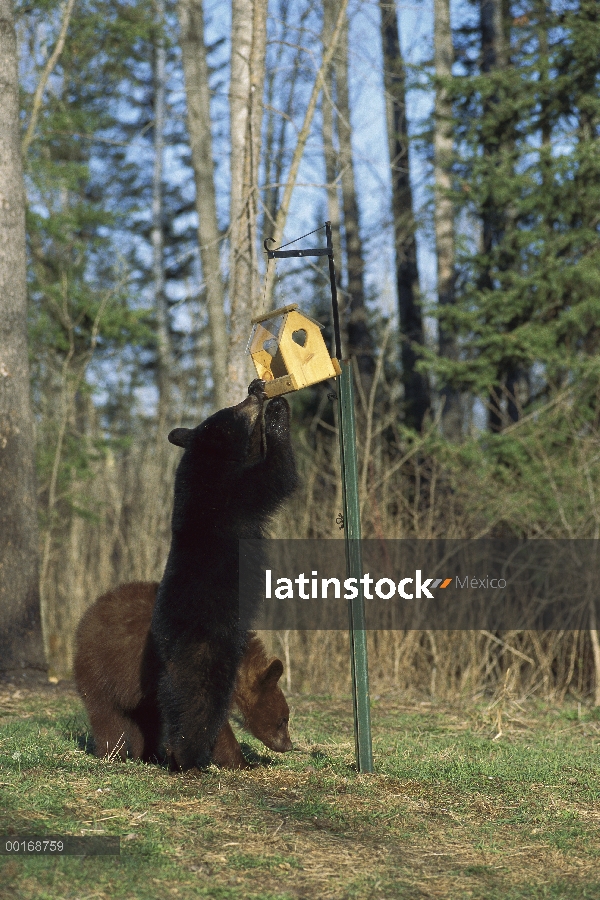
column 456, row 153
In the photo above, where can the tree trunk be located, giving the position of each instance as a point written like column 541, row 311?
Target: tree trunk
column 301, row 140
column 331, row 157
column 493, row 44
column 444, row 213
column 360, row 343
column 492, row 55
column 416, row 388
column 21, row 645
column 195, row 68
column 275, row 131
column 272, row 164
column 157, row 237
column 248, row 45
column 333, row 200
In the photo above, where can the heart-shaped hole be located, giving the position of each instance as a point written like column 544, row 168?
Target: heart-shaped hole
column 299, row 337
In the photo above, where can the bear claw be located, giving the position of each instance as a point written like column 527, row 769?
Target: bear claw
column 257, row 387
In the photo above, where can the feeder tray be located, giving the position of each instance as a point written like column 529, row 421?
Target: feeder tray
column 288, row 351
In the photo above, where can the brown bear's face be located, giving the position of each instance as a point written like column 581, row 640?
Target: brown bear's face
column 269, row 723
column 279, row 740
column 267, row 717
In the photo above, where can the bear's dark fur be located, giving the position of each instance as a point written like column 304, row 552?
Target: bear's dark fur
column 237, row 468
column 116, row 673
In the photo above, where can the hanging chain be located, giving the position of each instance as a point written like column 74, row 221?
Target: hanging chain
column 267, row 278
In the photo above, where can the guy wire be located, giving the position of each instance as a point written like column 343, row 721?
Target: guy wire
column 308, row 233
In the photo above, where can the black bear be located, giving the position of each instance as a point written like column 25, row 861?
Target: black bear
column 237, row 468
column 115, row 671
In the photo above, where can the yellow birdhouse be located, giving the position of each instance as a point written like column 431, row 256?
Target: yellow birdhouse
column 289, row 352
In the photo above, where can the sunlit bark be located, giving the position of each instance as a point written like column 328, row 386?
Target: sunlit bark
column 195, row 68
column 444, row 213
column 248, row 44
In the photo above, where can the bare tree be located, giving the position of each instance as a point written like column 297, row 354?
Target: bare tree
column 157, row 236
column 21, row 644
column 332, row 184
column 301, row 140
column 195, row 68
column 281, row 114
column 248, row 44
column 334, row 212
column 444, row 213
column 360, row 343
column 48, row 69
column 416, row 388
column 275, row 129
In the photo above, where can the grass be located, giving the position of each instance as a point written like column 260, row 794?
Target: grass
column 467, row 802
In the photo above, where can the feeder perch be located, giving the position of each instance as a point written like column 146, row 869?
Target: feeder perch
column 288, row 351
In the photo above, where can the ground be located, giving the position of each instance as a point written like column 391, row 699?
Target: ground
column 453, row 811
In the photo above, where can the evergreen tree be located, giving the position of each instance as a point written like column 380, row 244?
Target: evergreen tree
column 528, row 166
column 79, row 307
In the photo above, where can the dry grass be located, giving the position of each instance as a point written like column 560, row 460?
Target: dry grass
column 409, row 488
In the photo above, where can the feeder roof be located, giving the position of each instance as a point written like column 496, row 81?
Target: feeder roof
column 275, row 313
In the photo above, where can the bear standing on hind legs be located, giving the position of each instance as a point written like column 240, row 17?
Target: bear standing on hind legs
column 237, row 469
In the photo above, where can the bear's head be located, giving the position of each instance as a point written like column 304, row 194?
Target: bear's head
column 233, row 436
column 269, row 717
column 260, row 700
column 219, row 453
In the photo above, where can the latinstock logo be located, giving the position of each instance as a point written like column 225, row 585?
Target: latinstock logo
column 487, row 584
column 385, row 588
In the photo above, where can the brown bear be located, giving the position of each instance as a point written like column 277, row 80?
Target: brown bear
column 116, row 670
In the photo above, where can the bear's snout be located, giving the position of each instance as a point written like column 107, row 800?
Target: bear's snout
column 278, row 741
column 250, row 409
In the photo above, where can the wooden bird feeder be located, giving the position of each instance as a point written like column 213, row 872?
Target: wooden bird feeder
column 288, row 351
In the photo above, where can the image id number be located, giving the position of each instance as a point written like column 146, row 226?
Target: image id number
column 34, row 846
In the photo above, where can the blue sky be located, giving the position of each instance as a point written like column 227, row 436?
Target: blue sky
column 369, row 137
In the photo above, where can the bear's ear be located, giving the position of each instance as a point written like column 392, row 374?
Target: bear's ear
column 181, row 437
column 273, row 672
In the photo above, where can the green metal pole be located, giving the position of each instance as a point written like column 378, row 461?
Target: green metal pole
column 356, row 607
column 354, row 568
column 351, row 510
